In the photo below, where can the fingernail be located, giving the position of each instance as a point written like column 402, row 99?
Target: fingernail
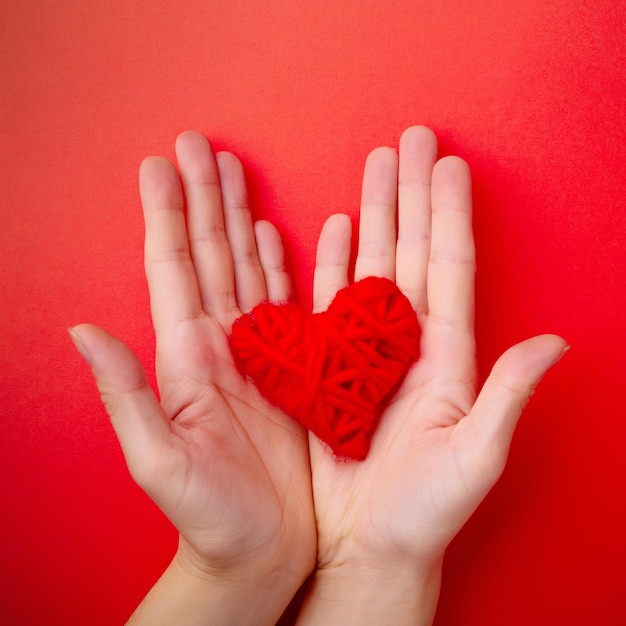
column 562, row 354
column 80, row 346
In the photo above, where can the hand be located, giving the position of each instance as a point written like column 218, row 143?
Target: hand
column 384, row 523
column 229, row 471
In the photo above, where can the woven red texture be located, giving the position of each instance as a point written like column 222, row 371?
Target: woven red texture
column 332, row 371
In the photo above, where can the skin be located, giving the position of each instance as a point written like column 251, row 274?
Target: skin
column 258, row 507
column 230, row 471
column 384, row 524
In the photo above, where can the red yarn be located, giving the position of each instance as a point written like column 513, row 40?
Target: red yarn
column 332, row 371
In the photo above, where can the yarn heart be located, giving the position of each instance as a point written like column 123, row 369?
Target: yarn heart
column 333, row 371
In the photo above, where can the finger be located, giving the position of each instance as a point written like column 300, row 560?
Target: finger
column 142, row 427
column 513, row 379
column 249, row 280
column 418, row 153
column 452, row 261
column 448, row 331
column 331, row 263
column 174, row 294
column 376, row 254
column 273, row 262
column 210, row 249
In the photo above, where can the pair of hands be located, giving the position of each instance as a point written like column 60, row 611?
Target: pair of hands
column 258, row 503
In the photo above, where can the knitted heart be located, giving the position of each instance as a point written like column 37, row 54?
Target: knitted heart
column 332, row 371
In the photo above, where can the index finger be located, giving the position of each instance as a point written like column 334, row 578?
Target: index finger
column 448, row 331
column 174, row 293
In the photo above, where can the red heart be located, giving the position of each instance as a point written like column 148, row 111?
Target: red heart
column 332, row 371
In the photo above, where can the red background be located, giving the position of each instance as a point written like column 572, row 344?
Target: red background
column 530, row 93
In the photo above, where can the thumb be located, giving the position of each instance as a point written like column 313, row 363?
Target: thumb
column 507, row 390
column 138, row 419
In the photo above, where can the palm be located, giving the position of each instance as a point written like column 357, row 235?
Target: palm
column 411, row 485
column 229, row 471
column 220, row 420
column 438, row 449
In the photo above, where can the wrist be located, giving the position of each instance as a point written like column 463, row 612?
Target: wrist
column 373, row 593
column 260, row 590
column 192, row 592
column 271, row 573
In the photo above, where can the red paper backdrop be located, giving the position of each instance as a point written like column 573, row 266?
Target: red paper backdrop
column 530, row 93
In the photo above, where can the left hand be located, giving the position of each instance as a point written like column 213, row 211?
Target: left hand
column 231, row 472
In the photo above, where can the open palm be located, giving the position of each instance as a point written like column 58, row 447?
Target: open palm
column 231, row 472
column 439, row 448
